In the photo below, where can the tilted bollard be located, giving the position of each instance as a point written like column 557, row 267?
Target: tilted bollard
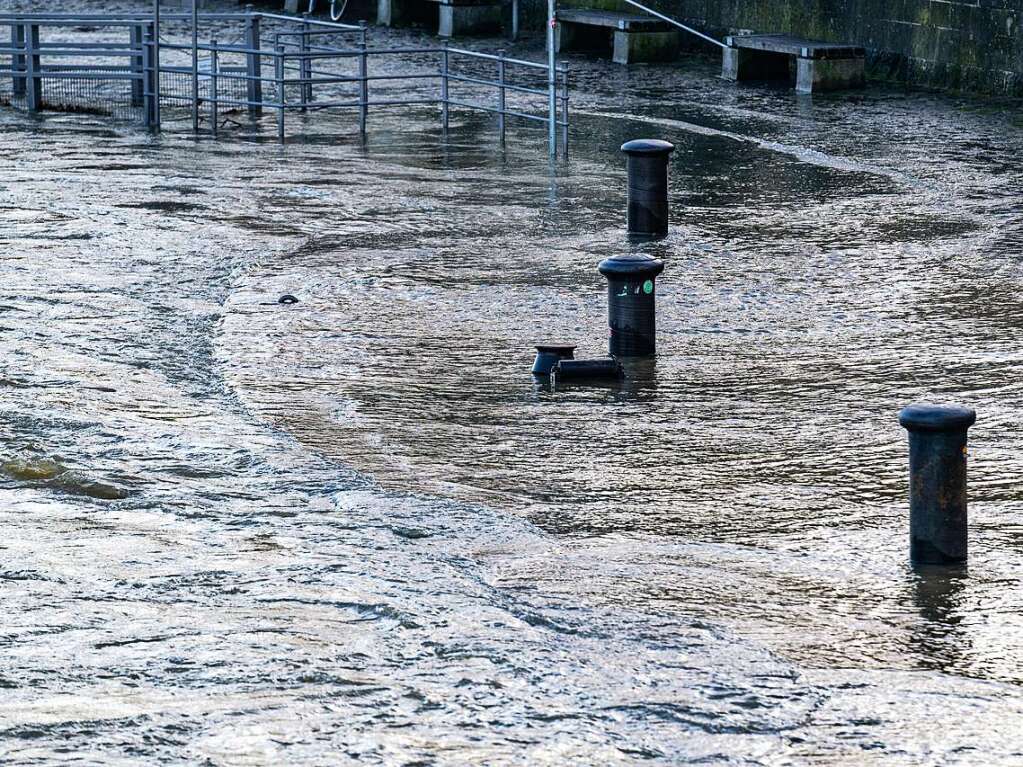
column 548, row 355
column 647, row 166
column 631, row 313
column 586, row 370
column 937, row 481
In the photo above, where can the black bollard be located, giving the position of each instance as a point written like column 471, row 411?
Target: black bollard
column 937, row 481
column 575, row 370
column 647, row 166
column 548, row 355
column 630, row 303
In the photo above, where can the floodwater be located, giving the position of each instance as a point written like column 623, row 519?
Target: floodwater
column 355, row 530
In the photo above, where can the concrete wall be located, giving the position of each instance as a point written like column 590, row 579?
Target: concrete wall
column 973, row 46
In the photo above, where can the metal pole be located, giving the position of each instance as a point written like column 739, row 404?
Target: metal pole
column 444, row 109
column 279, row 75
column 156, row 64
column 552, row 94
column 18, row 60
column 564, row 109
column 33, row 78
column 214, row 68
column 253, row 65
column 363, row 81
column 147, row 75
column 500, row 94
column 515, row 20
column 195, row 66
column 678, row 24
column 136, row 35
column 305, row 65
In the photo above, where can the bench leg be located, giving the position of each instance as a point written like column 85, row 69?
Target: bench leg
column 468, row 19
column 741, row 64
column 389, row 13
column 640, row 47
column 564, row 36
column 816, row 75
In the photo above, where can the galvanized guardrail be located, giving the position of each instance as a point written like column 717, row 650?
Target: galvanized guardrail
column 122, row 65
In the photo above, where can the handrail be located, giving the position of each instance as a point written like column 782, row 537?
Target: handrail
column 128, row 17
column 35, row 60
column 311, row 22
column 492, row 57
column 678, row 24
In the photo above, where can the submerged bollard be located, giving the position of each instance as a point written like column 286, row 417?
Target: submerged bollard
column 548, row 355
column 937, row 481
column 575, row 370
column 647, row 166
column 630, row 303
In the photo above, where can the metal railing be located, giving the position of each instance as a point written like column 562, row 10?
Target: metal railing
column 79, row 74
column 677, row 23
column 275, row 63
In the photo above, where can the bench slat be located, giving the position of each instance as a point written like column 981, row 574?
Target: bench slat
column 795, row 46
column 627, row 22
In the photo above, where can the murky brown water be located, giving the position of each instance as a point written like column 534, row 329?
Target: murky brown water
column 355, row 530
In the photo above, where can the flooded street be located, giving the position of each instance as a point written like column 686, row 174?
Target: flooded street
column 355, row 529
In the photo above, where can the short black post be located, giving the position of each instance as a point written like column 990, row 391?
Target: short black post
column 937, row 481
column 569, row 370
column 647, row 167
column 630, row 303
column 548, row 355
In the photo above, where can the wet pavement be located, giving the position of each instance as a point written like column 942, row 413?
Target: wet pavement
column 354, row 529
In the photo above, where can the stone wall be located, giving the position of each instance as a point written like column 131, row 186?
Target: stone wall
column 973, row 46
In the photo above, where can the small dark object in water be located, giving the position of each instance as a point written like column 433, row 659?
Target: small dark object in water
column 575, row 370
column 548, row 355
column 937, row 481
column 287, row 298
column 631, row 312
column 647, row 166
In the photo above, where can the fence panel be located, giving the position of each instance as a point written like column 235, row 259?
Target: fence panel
column 124, row 67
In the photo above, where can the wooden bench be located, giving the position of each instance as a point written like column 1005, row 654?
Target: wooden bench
column 454, row 17
column 820, row 66
column 634, row 38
